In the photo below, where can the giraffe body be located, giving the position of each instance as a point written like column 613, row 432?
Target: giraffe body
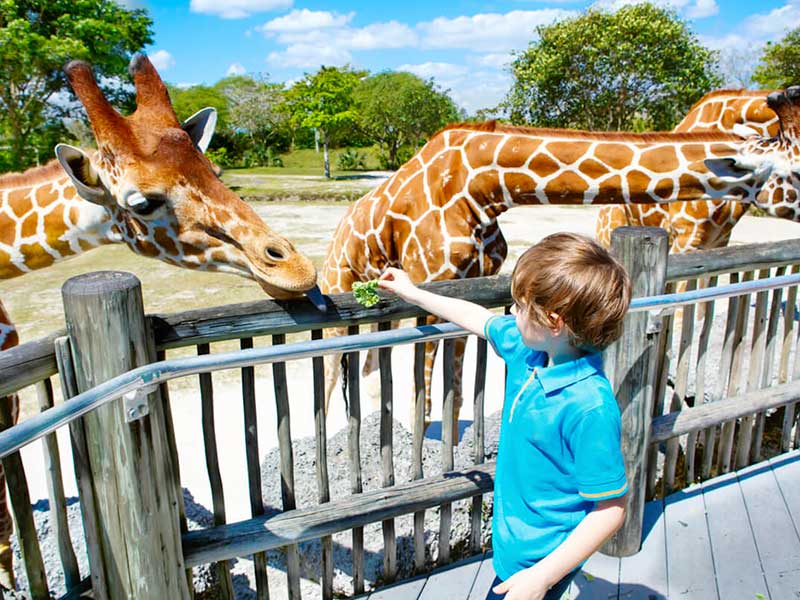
column 699, row 224
column 149, row 186
column 436, row 216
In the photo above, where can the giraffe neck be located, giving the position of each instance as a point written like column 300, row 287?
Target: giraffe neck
column 502, row 169
column 44, row 220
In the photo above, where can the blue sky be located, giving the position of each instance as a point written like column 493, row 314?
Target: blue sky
column 465, row 45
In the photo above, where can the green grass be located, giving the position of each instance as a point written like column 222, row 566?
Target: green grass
column 306, row 161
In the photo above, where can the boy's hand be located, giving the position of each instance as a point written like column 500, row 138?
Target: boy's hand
column 524, row 585
column 396, row 281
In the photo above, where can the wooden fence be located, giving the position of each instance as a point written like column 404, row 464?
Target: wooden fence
column 677, row 429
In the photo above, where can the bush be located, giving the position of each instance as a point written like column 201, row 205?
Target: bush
column 404, row 154
column 351, row 160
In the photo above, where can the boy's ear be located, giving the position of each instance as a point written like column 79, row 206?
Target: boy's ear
column 556, row 322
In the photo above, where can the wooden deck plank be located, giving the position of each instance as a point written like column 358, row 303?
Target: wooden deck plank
column 736, row 560
column 598, row 580
column 787, row 471
column 774, row 532
column 408, row 589
column 453, row 582
column 643, row 576
column 690, row 570
column 483, row 580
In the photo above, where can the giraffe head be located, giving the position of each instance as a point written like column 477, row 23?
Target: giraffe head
column 163, row 195
column 769, row 166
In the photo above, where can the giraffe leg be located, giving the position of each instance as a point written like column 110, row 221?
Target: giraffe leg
column 458, row 375
column 8, row 339
column 333, row 366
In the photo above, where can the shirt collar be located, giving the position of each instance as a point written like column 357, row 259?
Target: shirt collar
column 559, row 376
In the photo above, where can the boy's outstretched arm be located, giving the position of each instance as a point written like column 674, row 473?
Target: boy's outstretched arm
column 471, row 317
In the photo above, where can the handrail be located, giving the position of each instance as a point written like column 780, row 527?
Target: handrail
column 153, row 374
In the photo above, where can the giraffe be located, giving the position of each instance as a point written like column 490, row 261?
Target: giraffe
column 700, row 224
column 436, row 217
column 149, row 186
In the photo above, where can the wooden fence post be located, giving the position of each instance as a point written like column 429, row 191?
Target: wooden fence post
column 136, row 487
column 631, row 365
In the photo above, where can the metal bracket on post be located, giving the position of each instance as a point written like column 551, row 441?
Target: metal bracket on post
column 136, row 405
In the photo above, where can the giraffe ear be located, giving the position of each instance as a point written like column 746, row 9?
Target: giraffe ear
column 84, row 176
column 200, row 127
column 730, row 169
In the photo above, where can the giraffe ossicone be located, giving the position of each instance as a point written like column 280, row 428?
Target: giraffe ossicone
column 149, row 186
column 436, row 216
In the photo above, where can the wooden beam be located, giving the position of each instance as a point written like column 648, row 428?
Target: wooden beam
column 264, row 533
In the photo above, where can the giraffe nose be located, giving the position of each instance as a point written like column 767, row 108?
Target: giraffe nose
column 274, row 253
column 793, row 93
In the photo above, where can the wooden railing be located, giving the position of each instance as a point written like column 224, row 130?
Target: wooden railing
column 686, row 431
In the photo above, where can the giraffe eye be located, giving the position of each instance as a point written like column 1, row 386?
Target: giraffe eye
column 145, row 206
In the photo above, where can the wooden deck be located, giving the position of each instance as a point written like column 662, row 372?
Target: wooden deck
column 732, row 537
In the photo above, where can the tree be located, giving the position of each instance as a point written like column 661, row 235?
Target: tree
column 37, row 37
column 397, row 108
column 780, row 65
column 639, row 67
column 188, row 100
column 324, row 101
column 256, row 110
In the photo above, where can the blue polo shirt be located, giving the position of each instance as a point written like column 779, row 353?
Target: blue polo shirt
column 559, row 449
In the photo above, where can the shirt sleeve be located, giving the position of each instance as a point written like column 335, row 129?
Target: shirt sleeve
column 502, row 333
column 599, row 466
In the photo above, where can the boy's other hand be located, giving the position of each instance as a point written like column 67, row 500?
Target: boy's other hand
column 527, row 584
column 396, row 281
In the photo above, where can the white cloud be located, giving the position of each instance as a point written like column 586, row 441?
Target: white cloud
column 488, row 32
column 702, row 9
column 380, row 35
column 437, row 70
column 309, row 56
column 161, row 59
column 495, row 60
column 306, row 20
column 374, row 36
column 775, row 24
column 237, row 9
column 236, row 69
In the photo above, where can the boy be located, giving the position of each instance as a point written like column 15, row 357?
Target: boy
column 560, row 480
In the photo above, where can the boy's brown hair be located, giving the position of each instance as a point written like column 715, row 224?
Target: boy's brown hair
column 576, row 278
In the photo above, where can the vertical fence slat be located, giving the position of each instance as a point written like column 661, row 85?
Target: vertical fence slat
column 323, row 484
column 478, row 427
column 80, row 461
column 448, row 441
column 253, row 465
column 725, row 367
column 663, row 359
column 173, row 451
column 784, row 374
column 709, row 434
column 287, row 464
column 23, row 515
column 354, row 456
column 735, row 376
column 416, row 450
column 55, row 492
column 679, row 393
column 758, row 346
column 387, row 450
column 223, row 568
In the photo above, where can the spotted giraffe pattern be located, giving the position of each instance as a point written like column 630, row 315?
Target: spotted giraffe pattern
column 148, row 186
column 436, row 216
column 704, row 224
